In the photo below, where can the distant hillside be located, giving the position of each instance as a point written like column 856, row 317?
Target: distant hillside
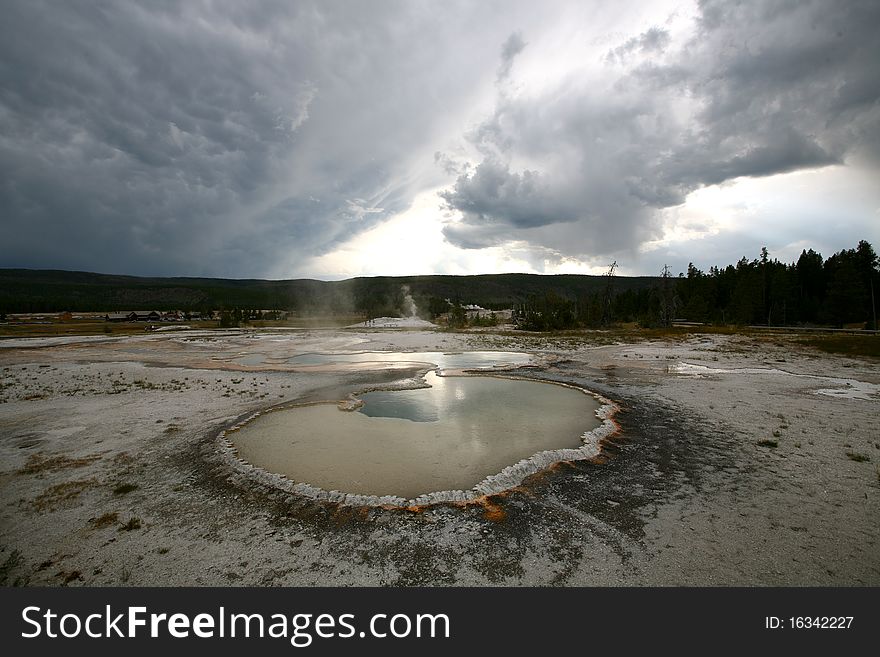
column 24, row 290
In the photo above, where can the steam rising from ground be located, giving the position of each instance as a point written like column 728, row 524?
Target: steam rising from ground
column 409, row 315
column 409, row 308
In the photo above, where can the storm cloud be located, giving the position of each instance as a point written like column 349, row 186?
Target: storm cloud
column 247, row 139
column 758, row 89
column 218, row 138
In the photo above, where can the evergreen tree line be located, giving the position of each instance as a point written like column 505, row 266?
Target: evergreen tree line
column 838, row 291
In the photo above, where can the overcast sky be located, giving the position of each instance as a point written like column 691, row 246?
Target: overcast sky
column 334, row 139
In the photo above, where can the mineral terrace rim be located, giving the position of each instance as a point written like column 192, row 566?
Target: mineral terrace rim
column 508, row 478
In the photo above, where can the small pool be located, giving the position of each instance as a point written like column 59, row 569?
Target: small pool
column 449, row 436
column 445, row 361
column 251, row 359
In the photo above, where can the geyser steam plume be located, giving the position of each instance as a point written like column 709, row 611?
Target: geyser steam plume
column 409, row 305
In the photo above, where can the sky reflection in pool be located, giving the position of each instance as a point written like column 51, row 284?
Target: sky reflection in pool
column 450, row 436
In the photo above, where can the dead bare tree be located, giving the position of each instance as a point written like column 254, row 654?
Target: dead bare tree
column 609, row 293
column 667, row 299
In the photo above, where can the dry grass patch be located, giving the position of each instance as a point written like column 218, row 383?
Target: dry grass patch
column 61, row 494
column 133, row 523
column 13, row 559
column 124, row 489
column 847, row 345
column 38, row 463
column 105, row 520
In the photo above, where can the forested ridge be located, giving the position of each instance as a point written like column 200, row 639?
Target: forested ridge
column 24, row 290
column 840, row 290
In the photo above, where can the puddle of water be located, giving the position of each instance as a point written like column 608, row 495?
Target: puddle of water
column 848, row 388
column 445, row 361
column 853, row 390
column 251, row 359
column 451, row 436
column 697, row 370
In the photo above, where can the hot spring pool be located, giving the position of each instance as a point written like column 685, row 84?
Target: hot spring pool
column 448, row 437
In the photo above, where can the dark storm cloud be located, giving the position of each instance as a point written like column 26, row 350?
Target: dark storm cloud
column 241, row 139
column 524, row 199
column 761, row 88
column 509, row 50
column 127, row 132
column 221, row 138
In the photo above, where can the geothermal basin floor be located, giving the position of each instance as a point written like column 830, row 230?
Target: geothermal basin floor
column 740, row 460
